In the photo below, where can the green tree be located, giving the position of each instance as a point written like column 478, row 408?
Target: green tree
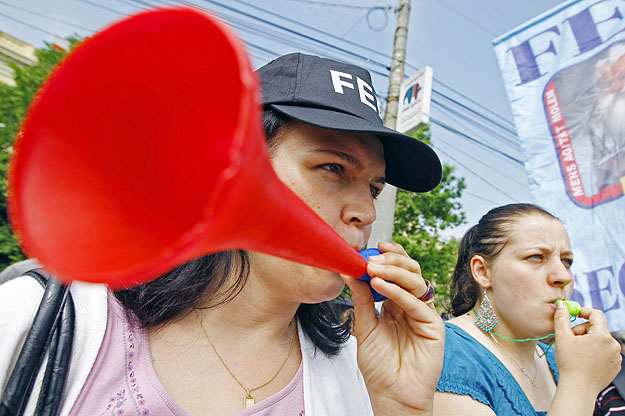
column 14, row 101
column 419, row 220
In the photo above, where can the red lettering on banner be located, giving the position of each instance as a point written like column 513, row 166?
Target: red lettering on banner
column 563, row 143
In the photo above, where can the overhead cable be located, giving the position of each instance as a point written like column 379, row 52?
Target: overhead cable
column 477, row 174
column 454, row 130
column 481, row 162
column 476, row 123
column 45, row 16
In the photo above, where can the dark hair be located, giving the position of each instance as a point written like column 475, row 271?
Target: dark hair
column 223, row 276
column 487, row 238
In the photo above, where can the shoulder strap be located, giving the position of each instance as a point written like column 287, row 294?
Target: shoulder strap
column 18, row 269
column 52, row 331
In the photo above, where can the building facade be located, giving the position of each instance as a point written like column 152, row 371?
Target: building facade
column 14, row 51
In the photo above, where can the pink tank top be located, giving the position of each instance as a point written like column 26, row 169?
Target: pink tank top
column 123, row 380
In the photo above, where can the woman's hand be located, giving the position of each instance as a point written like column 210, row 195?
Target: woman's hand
column 400, row 352
column 586, row 353
column 588, row 359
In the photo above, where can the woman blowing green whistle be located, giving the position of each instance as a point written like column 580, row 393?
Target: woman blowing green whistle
column 508, row 293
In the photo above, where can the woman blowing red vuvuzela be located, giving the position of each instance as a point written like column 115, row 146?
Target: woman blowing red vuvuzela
column 238, row 331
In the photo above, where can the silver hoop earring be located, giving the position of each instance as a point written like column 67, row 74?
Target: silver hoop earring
column 485, row 317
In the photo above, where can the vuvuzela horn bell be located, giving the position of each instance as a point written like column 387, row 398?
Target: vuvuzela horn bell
column 144, row 149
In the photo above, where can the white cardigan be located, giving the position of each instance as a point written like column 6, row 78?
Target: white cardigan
column 332, row 386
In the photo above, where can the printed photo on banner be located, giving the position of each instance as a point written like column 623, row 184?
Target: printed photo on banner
column 588, row 126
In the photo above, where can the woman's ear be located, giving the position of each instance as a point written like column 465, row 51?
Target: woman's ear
column 479, row 270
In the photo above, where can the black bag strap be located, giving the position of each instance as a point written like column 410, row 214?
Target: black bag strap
column 59, row 355
column 53, row 330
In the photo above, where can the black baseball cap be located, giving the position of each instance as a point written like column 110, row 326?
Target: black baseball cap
column 339, row 96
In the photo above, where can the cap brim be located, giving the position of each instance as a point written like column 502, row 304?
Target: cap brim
column 410, row 164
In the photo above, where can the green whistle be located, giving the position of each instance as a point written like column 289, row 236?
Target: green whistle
column 574, row 307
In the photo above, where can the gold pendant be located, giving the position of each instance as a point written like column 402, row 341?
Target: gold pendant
column 248, row 401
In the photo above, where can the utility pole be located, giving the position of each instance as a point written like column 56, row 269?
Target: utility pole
column 385, row 204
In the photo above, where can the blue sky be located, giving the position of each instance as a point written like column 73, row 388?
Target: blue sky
column 472, row 122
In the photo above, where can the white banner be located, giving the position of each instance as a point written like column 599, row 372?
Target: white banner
column 565, row 76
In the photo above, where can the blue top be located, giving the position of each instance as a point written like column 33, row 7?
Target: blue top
column 471, row 369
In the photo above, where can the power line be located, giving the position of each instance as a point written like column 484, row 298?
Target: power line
column 490, row 120
column 27, row 24
column 104, row 8
column 341, row 49
column 454, row 130
column 472, row 123
column 467, row 154
column 357, row 55
column 467, row 18
column 465, row 148
column 144, row 3
column 47, row 17
column 476, row 174
column 309, row 38
column 366, row 15
column 127, row 3
column 435, row 79
column 505, row 120
column 364, row 58
column 294, row 32
column 345, row 6
column 385, row 55
column 258, row 47
column 267, row 33
column 482, row 116
column 262, row 49
column 477, row 124
column 243, row 26
column 481, row 197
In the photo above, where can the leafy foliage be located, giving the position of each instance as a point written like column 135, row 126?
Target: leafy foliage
column 14, row 102
column 419, row 220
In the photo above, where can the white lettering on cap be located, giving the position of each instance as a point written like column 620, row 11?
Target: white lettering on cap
column 338, row 83
column 365, row 96
column 364, row 90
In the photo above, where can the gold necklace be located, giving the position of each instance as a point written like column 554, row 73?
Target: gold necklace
column 523, row 370
column 248, row 400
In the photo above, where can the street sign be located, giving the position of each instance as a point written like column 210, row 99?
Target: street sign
column 414, row 101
